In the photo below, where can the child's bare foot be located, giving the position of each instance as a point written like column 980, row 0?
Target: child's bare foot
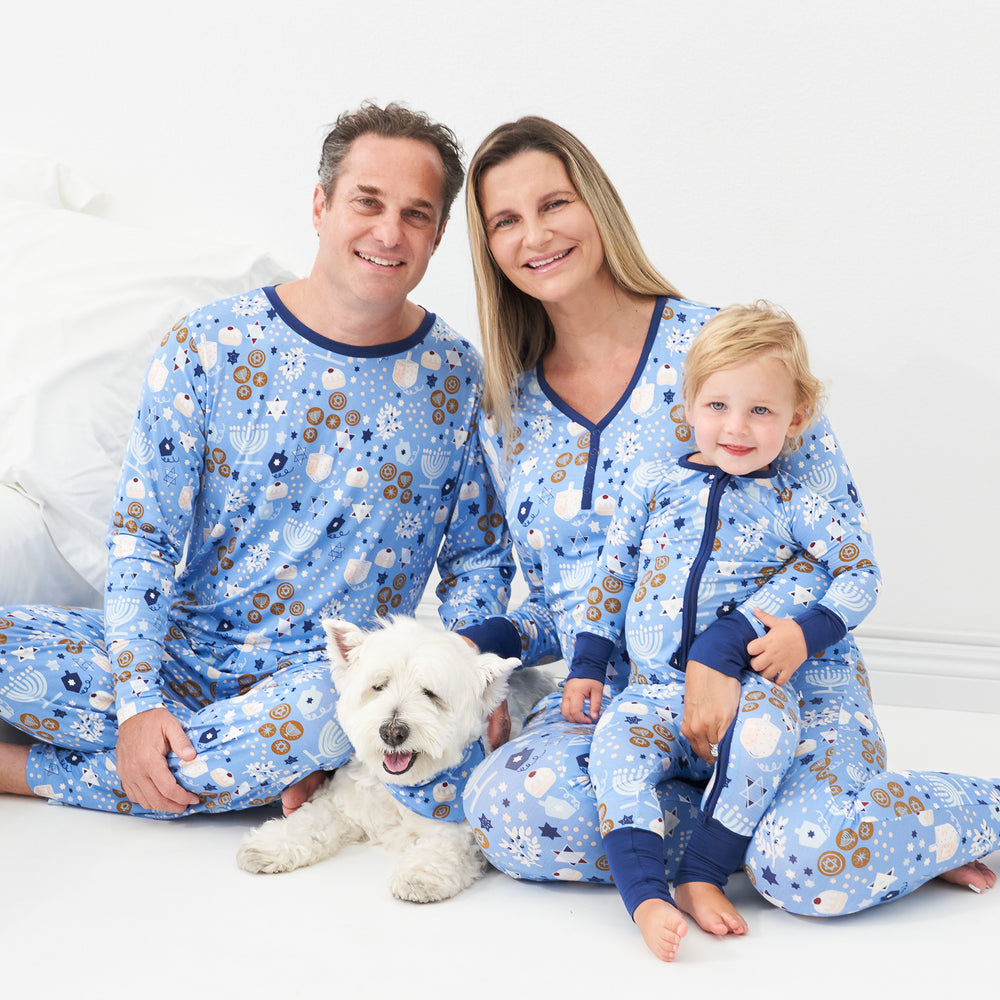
column 975, row 875
column 662, row 927
column 711, row 910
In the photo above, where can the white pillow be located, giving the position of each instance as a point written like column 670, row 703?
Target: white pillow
column 85, row 301
column 28, row 177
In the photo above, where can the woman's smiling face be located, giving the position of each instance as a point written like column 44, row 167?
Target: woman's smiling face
column 541, row 234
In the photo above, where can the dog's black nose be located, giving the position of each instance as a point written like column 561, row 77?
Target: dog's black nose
column 394, row 732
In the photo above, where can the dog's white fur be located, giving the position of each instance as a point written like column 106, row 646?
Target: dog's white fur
column 441, row 691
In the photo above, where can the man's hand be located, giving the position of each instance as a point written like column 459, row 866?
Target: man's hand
column 498, row 731
column 711, row 700
column 144, row 742
column 575, row 693
column 777, row 655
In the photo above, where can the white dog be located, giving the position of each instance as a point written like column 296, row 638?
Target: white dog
column 413, row 702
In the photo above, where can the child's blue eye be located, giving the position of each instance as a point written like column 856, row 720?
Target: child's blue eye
column 761, row 411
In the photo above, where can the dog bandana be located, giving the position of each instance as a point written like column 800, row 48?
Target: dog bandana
column 441, row 797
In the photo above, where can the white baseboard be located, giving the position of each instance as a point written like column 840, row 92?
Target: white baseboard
column 948, row 675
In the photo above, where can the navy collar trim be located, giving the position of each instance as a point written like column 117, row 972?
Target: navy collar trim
column 349, row 350
column 564, row 407
column 685, row 462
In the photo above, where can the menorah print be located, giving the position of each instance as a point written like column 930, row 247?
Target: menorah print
column 432, row 464
column 248, row 440
column 299, row 536
column 829, row 679
column 120, row 609
column 645, row 642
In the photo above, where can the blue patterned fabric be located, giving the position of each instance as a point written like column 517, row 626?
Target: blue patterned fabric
column 532, row 803
column 441, row 796
column 272, row 478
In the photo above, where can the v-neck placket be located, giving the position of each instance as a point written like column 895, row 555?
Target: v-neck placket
column 595, row 429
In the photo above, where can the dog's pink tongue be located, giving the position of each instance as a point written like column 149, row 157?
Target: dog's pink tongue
column 396, row 763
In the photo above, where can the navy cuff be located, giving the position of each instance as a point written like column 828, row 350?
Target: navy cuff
column 635, row 857
column 590, row 657
column 723, row 645
column 495, row 635
column 712, row 855
column 821, row 628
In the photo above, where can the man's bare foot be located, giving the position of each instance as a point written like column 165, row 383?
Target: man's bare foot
column 662, row 927
column 975, row 875
column 299, row 793
column 711, row 910
column 13, row 768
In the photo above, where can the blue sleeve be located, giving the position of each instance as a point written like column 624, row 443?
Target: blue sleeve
column 495, row 635
column 825, row 517
column 476, row 560
column 723, row 645
column 590, row 657
column 532, row 619
column 146, row 539
column 821, row 628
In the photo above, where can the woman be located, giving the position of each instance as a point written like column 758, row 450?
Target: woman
column 584, row 343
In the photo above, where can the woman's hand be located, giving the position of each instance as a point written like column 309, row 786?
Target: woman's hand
column 575, row 693
column 711, row 700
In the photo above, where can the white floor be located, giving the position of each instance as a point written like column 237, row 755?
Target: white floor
column 105, row 906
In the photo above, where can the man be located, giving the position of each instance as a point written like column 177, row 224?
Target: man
column 299, row 452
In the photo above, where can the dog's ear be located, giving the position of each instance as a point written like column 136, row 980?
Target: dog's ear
column 495, row 671
column 341, row 638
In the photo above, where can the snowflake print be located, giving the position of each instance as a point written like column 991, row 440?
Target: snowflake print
column 751, row 535
column 258, row 557
column 262, row 771
column 90, row 726
column 541, row 427
column 814, row 507
column 627, row 446
column 387, row 423
column 333, row 609
column 617, row 534
column 523, row 846
column 408, row 526
column 247, row 305
column 679, row 340
column 982, row 840
column 770, row 839
column 235, row 499
column 293, row 363
column 824, row 717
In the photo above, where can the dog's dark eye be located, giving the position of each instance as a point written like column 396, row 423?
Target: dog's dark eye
column 377, row 687
column 430, row 694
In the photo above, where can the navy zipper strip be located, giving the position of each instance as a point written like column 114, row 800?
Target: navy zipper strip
column 719, row 485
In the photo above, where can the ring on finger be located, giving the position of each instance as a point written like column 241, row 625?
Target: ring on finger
column 713, row 749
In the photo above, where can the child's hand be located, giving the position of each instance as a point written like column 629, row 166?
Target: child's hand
column 779, row 653
column 575, row 692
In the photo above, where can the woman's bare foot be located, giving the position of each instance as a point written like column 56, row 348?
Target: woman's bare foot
column 300, row 793
column 711, row 910
column 662, row 927
column 975, row 875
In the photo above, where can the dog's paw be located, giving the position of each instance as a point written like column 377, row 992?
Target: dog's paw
column 424, row 879
column 268, row 850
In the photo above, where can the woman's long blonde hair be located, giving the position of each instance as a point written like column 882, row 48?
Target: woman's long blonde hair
column 516, row 331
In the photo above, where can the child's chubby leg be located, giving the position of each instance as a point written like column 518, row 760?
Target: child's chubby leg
column 635, row 858
column 754, row 754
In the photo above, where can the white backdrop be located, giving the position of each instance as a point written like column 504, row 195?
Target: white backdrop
column 838, row 159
